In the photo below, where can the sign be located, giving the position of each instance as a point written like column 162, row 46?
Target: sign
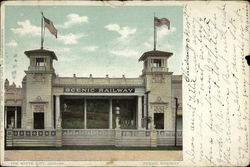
column 99, row 90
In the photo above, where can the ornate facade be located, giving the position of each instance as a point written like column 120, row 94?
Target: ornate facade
column 48, row 103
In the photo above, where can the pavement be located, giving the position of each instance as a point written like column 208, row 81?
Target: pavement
column 92, row 155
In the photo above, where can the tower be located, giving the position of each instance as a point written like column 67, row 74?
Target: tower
column 38, row 104
column 157, row 80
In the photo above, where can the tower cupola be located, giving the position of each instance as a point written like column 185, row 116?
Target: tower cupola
column 155, row 61
column 41, row 60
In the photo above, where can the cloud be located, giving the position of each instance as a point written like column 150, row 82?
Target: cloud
column 123, row 31
column 166, row 46
column 125, row 53
column 147, row 44
column 12, row 43
column 60, row 49
column 90, row 48
column 70, row 38
column 164, row 31
column 26, row 29
column 72, row 20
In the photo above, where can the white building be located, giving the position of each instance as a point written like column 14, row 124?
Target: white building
column 65, row 109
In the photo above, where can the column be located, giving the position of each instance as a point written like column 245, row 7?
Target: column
column 16, row 118
column 139, row 110
column 85, row 113
column 145, row 110
column 58, row 111
column 52, row 113
column 5, row 117
column 110, row 113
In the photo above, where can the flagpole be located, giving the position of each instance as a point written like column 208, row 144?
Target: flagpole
column 42, row 29
column 154, row 34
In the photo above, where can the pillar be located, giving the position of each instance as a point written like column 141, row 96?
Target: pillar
column 110, row 113
column 52, row 113
column 145, row 110
column 85, row 113
column 15, row 118
column 139, row 110
column 5, row 117
column 58, row 114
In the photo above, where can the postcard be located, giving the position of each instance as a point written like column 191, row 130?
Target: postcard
column 114, row 83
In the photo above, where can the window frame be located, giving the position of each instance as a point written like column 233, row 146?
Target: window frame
column 40, row 63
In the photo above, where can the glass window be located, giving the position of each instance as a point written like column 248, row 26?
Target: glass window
column 97, row 113
column 73, row 114
column 127, row 113
column 40, row 62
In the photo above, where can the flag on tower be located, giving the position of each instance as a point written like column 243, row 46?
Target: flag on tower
column 160, row 22
column 50, row 26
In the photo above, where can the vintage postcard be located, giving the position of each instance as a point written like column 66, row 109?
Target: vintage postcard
column 109, row 83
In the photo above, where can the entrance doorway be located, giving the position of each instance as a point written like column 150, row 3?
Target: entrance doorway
column 13, row 116
column 38, row 120
column 159, row 120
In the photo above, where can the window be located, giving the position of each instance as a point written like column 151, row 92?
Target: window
column 145, row 64
column 97, row 113
column 128, row 113
column 40, row 62
column 157, row 63
column 73, row 113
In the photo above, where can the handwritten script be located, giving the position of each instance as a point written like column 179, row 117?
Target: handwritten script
column 216, row 83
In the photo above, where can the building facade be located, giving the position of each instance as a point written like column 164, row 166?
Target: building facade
column 48, row 102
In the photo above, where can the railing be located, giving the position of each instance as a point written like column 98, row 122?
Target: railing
column 135, row 133
column 164, row 133
column 88, row 132
column 37, row 68
column 158, row 69
column 31, row 138
column 117, row 137
column 29, row 133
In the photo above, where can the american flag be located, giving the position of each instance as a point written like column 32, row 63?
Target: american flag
column 50, row 26
column 163, row 21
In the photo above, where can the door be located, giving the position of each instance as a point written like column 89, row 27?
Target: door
column 159, row 120
column 38, row 120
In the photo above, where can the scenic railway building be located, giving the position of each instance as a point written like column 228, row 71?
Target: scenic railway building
column 52, row 110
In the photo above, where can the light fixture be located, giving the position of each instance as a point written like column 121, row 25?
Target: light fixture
column 117, row 110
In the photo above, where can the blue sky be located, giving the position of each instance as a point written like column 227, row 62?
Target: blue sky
column 95, row 40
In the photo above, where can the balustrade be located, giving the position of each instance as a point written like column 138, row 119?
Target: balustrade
column 124, row 137
column 27, row 133
column 164, row 133
column 135, row 133
column 38, row 68
column 88, row 132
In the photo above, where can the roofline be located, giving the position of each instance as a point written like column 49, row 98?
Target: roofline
column 155, row 53
column 29, row 53
column 139, row 78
